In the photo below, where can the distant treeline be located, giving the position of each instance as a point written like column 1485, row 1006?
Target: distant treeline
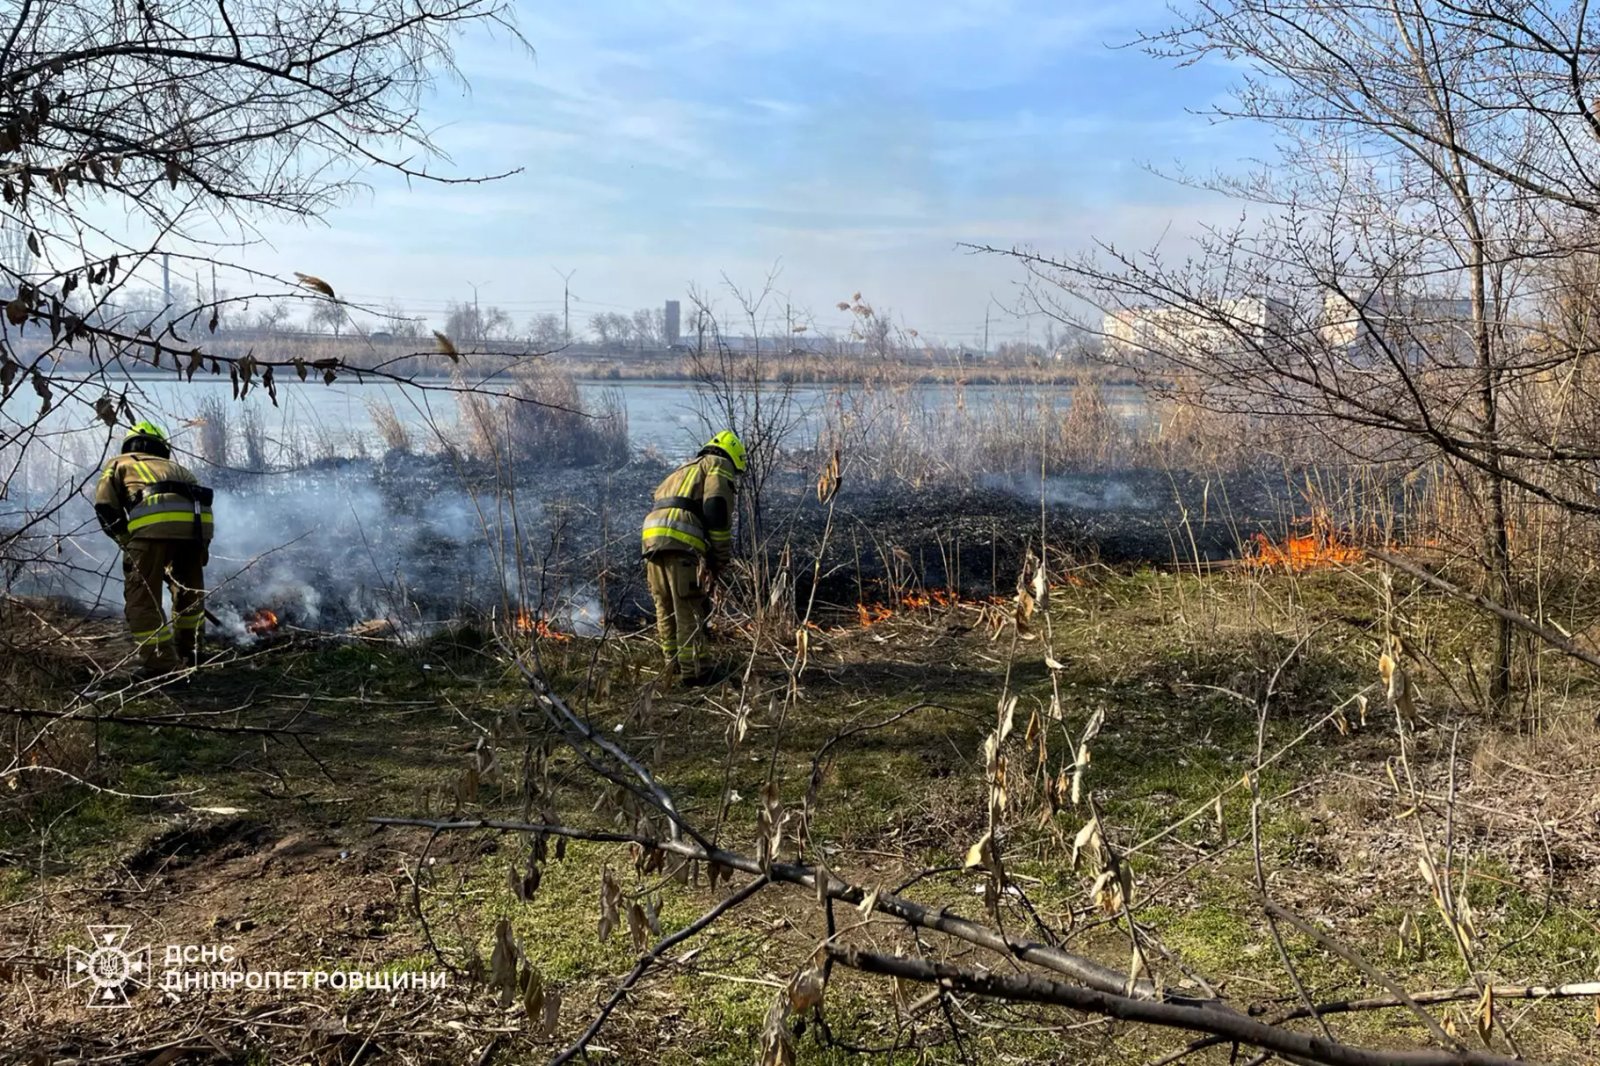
column 420, row 359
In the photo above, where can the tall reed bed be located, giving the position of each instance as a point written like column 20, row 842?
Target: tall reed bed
column 543, row 419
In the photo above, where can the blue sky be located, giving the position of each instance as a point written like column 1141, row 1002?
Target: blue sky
column 664, row 144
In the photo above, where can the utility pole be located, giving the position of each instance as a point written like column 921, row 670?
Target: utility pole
column 166, row 287
column 566, row 303
column 477, row 316
column 986, row 331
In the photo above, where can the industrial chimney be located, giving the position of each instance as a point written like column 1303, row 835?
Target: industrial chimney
column 674, row 325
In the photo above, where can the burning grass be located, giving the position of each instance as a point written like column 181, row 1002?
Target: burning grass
column 1321, row 548
column 912, row 602
column 528, row 623
column 261, row 622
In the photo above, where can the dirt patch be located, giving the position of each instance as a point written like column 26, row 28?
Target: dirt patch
column 188, row 842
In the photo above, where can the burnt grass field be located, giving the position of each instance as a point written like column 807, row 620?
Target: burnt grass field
column 430, row 539
column 232, row 809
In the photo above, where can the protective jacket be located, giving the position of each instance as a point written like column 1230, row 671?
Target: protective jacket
column 145, row 497
column 692, row 510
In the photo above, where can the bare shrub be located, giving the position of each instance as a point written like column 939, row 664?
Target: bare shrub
column 253, row 432
column 1186, row 435
column 611, row 413
column 542, row 420
column 481, row 429
column 212, row 443
column 1089, row 436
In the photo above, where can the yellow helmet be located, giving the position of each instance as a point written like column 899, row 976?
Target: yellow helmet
column 728, row 443
column 148, row 438
column 146, row 428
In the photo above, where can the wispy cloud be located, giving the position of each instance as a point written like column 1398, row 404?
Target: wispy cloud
column 662, row 143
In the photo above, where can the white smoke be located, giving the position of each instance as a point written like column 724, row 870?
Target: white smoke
column 325, row 549
column 1085, row 491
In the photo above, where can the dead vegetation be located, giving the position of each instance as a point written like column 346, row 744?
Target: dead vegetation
column 542, row 419
column 1300, row 794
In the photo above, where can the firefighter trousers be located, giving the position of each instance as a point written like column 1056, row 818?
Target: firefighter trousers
column 147, row 566
column 682, row 608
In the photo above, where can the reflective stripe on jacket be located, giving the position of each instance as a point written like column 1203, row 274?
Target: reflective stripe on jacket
column 174, row 515
column 693, row 510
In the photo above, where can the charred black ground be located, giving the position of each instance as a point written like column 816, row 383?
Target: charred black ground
column 430, row 538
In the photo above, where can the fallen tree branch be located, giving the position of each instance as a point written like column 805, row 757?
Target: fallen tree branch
column 567, row 720
column 1516, row 618
column 1350, row 956
column 1067, row 964
column 153, row 723
column 1466, row 993
column 1573, row 990
column 1033, row 988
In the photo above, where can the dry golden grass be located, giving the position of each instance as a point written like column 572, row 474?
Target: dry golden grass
column 390, row 427
column 542, row 419
column 213, row 418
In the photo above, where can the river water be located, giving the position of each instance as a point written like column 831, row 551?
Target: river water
column 668, row 417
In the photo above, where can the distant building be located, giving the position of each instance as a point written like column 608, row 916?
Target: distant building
column 1378, row 325
column 674, row 324
column 1230, row 325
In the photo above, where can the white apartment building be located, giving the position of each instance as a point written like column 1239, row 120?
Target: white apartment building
column 1181, row 332
column 1418, row 327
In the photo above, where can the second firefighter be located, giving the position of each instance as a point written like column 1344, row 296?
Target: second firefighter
column 688, row 546
column 160, row 515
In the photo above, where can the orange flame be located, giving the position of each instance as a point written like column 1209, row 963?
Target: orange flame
column 871, row 614
column 527, row 622
column 261, row 621
column 1322, row 547
column 929, row 599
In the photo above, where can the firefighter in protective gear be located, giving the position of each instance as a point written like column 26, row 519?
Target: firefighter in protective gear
column 688, row 545
column 160, row 515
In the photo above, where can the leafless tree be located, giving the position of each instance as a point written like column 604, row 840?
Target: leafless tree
column 473, row 326
column 328, row 316
column 396, row 322
column 611, row 328
column 192, row 121
column 545, row 332
column 650, row 327
column 1387, row 297
column 272, row 317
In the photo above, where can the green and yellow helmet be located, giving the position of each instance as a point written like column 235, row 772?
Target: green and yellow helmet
column 146, row 436
column 146, row 428
column 729, row 444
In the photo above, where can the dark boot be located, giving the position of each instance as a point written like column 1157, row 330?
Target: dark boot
column 706, row 677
